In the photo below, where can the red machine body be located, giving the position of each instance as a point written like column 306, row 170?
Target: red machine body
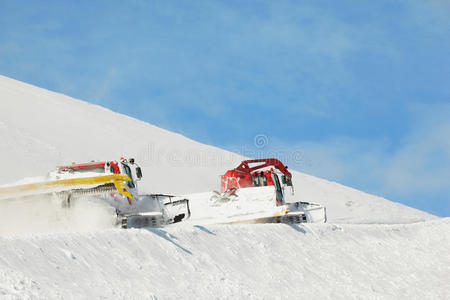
column 95, row 166
column 247, row 176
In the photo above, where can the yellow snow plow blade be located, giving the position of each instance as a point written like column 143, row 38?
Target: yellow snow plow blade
column 65, row 184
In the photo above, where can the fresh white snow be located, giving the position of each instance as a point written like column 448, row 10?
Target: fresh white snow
column 399, row 252
column 316, row 261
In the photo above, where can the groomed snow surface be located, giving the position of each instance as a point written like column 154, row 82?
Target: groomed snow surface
column 371, row 248
column 269, row 261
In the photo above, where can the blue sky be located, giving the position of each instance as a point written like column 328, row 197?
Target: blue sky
column 352, row 91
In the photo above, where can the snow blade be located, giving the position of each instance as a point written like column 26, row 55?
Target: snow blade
column 175, row 209
column 155, row 210
column 178, row 210
column 314, row 213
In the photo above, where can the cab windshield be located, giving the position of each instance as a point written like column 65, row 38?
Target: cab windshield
column 127, row 169
column 277, row 184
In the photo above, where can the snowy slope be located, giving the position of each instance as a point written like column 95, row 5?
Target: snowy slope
column 76, row 254
column 41, row 129
column 318, row 261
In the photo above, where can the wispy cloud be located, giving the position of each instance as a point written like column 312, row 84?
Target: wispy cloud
column 423, row 162
column 418, row 166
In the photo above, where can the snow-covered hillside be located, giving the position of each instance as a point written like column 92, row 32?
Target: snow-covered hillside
column 41, row 129
column 318, row 261
column 83, row 257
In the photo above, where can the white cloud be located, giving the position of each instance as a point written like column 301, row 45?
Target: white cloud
column 421, row 162
column 430, row 16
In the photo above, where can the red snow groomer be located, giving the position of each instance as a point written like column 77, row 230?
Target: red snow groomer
column 255, row 192
column 245, row 176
